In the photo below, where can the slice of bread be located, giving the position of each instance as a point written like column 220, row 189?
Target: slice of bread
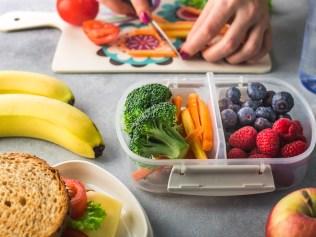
column 33, row 198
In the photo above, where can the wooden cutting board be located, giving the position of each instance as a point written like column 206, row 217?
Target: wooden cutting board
column 76, row 54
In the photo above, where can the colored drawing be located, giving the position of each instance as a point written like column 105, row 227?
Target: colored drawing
column 140, row 45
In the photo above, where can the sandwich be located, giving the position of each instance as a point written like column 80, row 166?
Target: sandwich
column 35, row 201
column 92, row 214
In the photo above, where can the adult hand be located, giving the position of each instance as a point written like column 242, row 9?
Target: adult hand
column 141, row 8
column 247, row 39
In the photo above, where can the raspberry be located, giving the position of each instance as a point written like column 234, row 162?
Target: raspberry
column 294, row 149
column 302, row 138
column 244, row 138
column 287, row 129
column 236, row 153
column 258, row 155
column 268, row 142
column 298, row 126
column 253, row 151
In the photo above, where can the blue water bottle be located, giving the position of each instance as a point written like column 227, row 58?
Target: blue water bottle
column 307, row 69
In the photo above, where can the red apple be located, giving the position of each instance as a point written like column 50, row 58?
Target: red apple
column 294, row 215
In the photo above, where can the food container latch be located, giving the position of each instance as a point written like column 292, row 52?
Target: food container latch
column 221, row 180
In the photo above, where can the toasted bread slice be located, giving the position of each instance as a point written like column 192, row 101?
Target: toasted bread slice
column 33, row 198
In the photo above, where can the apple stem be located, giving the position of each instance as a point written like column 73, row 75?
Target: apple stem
column 309, row 202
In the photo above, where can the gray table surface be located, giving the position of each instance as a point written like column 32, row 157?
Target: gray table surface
column 96, row 94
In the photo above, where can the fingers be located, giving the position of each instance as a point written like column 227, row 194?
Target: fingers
column 204, row 14
column 207, row 27
column 251, row 47
column 119, row 6
column 266, row 47
column 231, row 41
column 142, row 8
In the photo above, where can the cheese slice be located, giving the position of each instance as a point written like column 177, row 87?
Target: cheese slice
column 112, row 208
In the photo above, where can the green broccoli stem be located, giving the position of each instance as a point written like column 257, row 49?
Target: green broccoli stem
column 170, row 143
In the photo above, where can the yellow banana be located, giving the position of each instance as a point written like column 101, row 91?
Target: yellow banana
column 19, row 82
column 23, row 115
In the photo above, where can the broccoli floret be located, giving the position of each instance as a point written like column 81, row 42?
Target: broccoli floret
column 155, row 133
column 142, row 98
column 164, row 112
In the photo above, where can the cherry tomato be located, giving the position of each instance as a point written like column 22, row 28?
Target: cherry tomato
column 78, row 197
column 69, row 232
column 101, row 33
column 76, row 12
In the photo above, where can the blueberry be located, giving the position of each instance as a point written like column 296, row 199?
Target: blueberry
column 285, row 116
column 262, row 123
column 246, row 116
column 282, row 102
column 233, row 94
column 266, row 112
column 254, row 104
column 229, row 118
column 267, row 101
column 256, row 91
column 224, row 103
column 234, row 107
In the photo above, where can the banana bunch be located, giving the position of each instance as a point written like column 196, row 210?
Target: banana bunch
column 33, row 105
column 19, row 82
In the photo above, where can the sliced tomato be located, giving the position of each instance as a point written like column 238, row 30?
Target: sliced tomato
column 69, row 232
column 78, row 197
column 101, row 33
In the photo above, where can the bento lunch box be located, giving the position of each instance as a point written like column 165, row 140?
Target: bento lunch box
column 219, row 176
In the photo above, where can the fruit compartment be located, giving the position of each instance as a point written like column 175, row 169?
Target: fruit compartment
column 287, row 172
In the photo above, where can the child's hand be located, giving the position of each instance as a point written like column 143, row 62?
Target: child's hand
column 248, row 38
column 141, row 8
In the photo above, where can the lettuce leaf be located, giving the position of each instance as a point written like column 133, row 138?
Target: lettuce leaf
column 199, row 4
column 92, row 218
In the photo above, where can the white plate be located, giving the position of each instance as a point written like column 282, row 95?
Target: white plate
column 134, row 222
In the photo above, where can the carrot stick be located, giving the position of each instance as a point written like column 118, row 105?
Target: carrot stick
column 142, row 173
column 194, row 109
column 224, row 29
column 183, row 25
column 159, row 19
column 195, row 134
column 194, row 142
column 205, row 118
column 151, row 53
column 183, row 22
column 177, row 101
column 177, row 33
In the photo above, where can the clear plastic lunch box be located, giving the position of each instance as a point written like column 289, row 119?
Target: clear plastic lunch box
column 219, row 176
